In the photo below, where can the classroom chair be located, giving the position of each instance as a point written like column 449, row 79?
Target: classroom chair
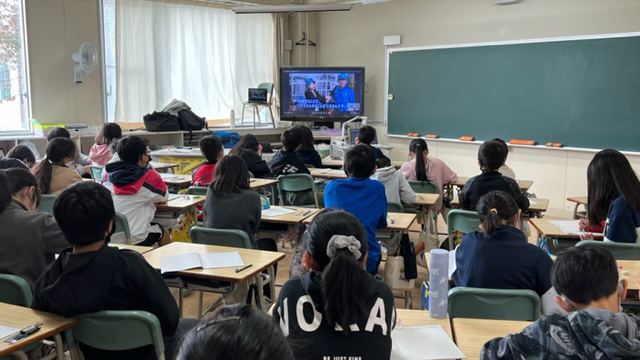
column 96, row 172
column 620, row 251
column 390, row 239
column 428, row 187
column 46, row 203
column 296, row 183
column 15, row 290
column 463, row 221
column 256, row 107
column 197, row 190
column 120, row 330
column 122, row 226
column 502, row 304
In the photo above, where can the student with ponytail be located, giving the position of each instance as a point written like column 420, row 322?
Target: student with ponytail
column 53, row 172
column 426, row 168
column 500, row 257
column 336, row 309
column 29, row 240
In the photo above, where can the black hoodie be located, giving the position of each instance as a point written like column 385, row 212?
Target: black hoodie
column 106, row 279
column 286, row 163
column 315, row 339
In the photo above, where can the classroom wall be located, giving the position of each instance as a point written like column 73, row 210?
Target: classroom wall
column 55, row 30
column 355, row 38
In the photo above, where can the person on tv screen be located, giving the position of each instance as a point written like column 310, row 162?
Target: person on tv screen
column 342, row 94
column 311, row 93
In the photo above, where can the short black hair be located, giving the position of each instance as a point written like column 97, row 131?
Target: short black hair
column 366, row 134
column 83, row 212
column 383, row 162
column 504, row 146
column 491, row 155
column 58, row 132
column 131, row 148
column 291, row 139
column 22, row 152
column 585, row 273
column 210, row 147
column 359, row 161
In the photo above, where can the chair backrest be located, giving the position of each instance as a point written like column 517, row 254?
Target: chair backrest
column 221, row 237
column 296, row 182
column 197, row 190
column 620, row 251
column 463, row 220
column 269, row 87
column 122, row 226
column 46, row 203
column 394, row 207
column 15, row 290
column 503, row 304
column 120, row 330
column 424, row 186
column 96, row 172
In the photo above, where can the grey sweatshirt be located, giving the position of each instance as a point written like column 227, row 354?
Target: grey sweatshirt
column 396, row 187
column 240, row 211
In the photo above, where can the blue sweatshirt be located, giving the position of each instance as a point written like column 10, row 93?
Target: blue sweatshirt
column 366, row 200
column 623, row 223
column 503, row 261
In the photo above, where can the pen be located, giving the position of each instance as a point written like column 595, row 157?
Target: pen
column 290, row 208
column 306, row 213
column 243, row 268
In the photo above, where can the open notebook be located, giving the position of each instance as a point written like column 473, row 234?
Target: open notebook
column 205, row 261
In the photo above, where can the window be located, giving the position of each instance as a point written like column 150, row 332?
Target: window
column 109, row 57
column 15, row 109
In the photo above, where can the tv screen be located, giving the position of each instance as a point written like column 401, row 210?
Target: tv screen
column 321, row 93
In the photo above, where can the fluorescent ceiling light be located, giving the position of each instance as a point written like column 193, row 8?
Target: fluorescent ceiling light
column 290, row 8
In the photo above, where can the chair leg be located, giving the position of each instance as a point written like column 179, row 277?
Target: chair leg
column 273, row 119
column 200, row 296
column 272, row 282
column 180, row 302
column 20, row 355
column 242, row 117
column 258, row 112
column 254, row 116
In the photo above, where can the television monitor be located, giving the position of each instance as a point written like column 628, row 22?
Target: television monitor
column 321, row 93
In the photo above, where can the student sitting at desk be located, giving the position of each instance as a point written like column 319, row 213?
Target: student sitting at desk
column 336, row 309
column 235, row 332
column 426, row 168
column 91, row 276
column 504, row 169
column 614, row 195
column 307, row 151
column 136, row 188
column 286, row 162
column 361, row 196
column 396, row 187
column 100, row 152
column 500, row 257
column 248, row 148
column 366, row 135
column 212, row 150
column 52, row 172
column 81, row 162
column 29, row 240
column 588, row 286
column 20, row 156
column 490, row 158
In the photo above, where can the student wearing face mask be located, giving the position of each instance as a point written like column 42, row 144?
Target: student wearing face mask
column 55, row 172
column 136, row 188
column 586, row 279
column 26, row 249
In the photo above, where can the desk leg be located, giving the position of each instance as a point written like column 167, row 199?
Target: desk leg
column 260, row 291
column 59, row 347
column 575, row 211
column 272, row 283
column 180, row 301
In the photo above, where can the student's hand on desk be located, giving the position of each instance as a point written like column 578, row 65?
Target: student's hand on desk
column 583, row 224
column 587, row 236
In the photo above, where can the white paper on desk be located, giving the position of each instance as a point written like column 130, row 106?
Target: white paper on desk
column 336, row 172
column 423, row 343
column 205, row 261
column 277, row 211
column 221, row 260
column 166, row 176
column 184, row 151
column 174, row 196
column 532, row 201
column 568, row 226
column 6, row 331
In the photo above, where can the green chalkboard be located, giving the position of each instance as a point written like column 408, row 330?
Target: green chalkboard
column 582, row 93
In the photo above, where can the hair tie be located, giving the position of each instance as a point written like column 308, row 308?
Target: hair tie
column 338, row 242
column 493, row 210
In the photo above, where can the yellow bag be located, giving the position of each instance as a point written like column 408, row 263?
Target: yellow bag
column 186, row 221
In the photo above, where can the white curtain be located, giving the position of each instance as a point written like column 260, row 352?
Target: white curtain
column 205, row 56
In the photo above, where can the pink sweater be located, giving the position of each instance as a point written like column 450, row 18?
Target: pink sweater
column 99, row 154
column 437, row 171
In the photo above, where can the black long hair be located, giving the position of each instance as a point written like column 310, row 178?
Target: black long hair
column 14, row 180
column 494, row 207
column 57, row 150
column 307, row 138
column 235, row 332
column 247, row 142
column 344, row 281
column 420, row 149
column 610, row 175
column 230, row 176
column 107, row 133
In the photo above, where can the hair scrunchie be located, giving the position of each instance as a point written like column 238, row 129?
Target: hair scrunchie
column 338, row 242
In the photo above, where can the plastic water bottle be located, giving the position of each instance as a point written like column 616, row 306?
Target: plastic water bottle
column 438, row 283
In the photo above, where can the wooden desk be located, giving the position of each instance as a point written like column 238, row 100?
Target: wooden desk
column 176, row 179
column 633, row 267
column 397, row 164
column 328, row 174
column 579, row 200
column 421, row 318
column 402, row 221
column 472, row 334
column 425, row 199
column 548, row 230
column 21, row 317
column 332, row 163
column 136, row 248
column 256, row 183
column 258, row 259
column 525, row 185
column 182, row 202
column 163, row 165
column 536, row 205
column 293, row 218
